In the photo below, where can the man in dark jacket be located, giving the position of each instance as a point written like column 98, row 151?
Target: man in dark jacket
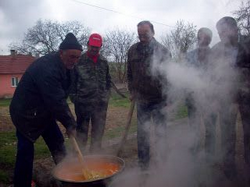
column 90, row 93
column 228, row 58
column 38, row 102
column 244, row 104
column 145, row 88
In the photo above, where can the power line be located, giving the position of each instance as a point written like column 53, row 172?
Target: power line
column 121, row 13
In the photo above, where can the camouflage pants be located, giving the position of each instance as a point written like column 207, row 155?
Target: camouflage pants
column 96, row 114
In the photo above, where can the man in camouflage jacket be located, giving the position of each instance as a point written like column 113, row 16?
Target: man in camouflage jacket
column 90, row 93
column 146, row 88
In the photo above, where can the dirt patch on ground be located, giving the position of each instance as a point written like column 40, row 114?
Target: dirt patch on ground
column 116, row 116
column 5, row 121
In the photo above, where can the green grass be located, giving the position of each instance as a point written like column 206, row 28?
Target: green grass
column 4, row 177
column 7, row 149
column 118, row 101
column 118, row 131
column 5, row 102
column 41, row 149
column 8, row 154
column 115, row 100
column 182, row 112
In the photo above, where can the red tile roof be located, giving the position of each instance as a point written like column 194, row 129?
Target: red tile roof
column 15, row 64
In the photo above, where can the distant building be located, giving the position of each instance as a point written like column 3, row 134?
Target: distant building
column 12, row 68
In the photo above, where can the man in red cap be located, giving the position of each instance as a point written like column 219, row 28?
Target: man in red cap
column 90, row 93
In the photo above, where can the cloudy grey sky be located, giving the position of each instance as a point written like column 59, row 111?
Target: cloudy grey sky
column 17, row 16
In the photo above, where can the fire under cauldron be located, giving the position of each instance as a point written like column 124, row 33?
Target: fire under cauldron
column 69, row 172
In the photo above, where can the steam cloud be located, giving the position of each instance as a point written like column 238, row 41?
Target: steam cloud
column 179, row 168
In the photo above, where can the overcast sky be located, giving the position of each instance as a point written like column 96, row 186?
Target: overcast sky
column 16, row 16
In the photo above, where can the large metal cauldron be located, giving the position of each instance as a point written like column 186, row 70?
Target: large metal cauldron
column 63, row 171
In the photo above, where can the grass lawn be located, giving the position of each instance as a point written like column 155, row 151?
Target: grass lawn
column 4, row 102
column 8, row 152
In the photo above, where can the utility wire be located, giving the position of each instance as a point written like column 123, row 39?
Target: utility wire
column 121, row 13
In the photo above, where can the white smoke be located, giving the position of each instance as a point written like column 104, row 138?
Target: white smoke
column 209, row 87
column 212, row 88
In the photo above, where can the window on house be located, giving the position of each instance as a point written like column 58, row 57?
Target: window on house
column 14, row 81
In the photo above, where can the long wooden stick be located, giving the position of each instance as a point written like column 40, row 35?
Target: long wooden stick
column 77, row 149
column 117, row 90
column 124, row 137
column 86, row 173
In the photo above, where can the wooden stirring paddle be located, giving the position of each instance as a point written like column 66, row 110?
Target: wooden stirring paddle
column 86, row 173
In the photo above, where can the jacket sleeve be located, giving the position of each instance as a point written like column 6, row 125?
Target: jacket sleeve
column 167, row 55
column 243, row 58
column 108, row 77
column 73, row 86
column 51, row 90
column 129, row 73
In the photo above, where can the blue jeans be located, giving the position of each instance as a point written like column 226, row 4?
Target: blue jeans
column 146, row 114
column 25, row 153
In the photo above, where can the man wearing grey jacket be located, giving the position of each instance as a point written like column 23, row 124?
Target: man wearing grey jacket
column 146, row 89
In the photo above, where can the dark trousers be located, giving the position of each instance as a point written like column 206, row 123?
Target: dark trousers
column 25, row 153
column 97, row 116
column 146, row 115
column 190, row 103
column 194, row 123
column 244, row 108
column 227, row 116
column 210, row 135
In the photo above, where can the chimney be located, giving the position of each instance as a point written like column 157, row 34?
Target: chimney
column 12, row 52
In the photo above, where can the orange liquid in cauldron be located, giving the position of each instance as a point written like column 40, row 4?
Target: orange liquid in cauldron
column 74, row 171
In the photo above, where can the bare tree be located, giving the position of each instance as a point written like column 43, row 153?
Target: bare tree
column 180, row 39
column 116, row 46
column 242, row 16
column 46, row 36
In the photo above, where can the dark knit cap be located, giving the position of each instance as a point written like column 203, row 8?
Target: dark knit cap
column 70, row 42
